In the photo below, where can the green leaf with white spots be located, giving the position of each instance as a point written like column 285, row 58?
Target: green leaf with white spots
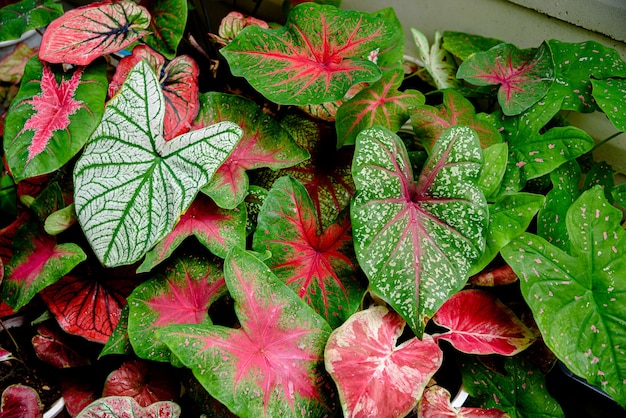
column 130, row 184
column 579, row 299
column 619, row 194
column 509, row 216
column 609, row 94
column 495, row 160
column 417, row 239
column 463, row 44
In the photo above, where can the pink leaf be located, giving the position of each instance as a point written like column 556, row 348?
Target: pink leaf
column 480, row 324
column 374, row 376
column 55, row 348
column 20, row 402
column 126, row 406
column 436, row 404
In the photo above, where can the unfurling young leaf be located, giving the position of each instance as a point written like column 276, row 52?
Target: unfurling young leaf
column 376, row 377
column 131, row 185
column 416, row 240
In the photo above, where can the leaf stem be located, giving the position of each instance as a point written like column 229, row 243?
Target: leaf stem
column 604, row 141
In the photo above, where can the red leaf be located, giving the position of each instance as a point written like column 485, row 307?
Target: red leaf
column 498, row 276
column 20, row 402
column 6, row 237
column 480, row 324
column 436, row 404
column 374, row 376
column 146, row 382
column 86, row 33
column 79, row 390
column 54, row 348
column 87, row 306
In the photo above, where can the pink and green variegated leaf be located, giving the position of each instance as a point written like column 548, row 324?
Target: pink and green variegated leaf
column 12, row 65
column 217, row 229
column 22, row 16
column 524, row 76
column 578, row 298
column 479, row 323
column 436, row 403
column 264, row 144
column 55, row 348
column 273, row 364
column 417, row 240
column 89, row 305
column 429, row 122
column 181, row 294
column 609, row 94
column 126, row 406
column 178, row 80
column 83, row 34
column 376, row 377
column 167, row 25
column 51, row 119
column 20, row 401
column 119, row 341
column 462, row 45
column 318, row 54
column 379, row 104
column 318, row 264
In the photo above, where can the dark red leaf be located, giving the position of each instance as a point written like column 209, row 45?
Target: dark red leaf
column 498, row 276
column 79, row 390
column 20, row 401
column 53, row 347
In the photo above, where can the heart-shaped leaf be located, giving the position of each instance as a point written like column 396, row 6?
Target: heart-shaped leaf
column 524, row 76
column 51, row 119
column 167, row 25
column 182, row 294
column 438, row 62
column 272, row 365
column 22, row 16
column 126, row 406
column 436, row 403
column 318, row 264
column 462, row 44
column 88, row 32
column 416, row 240
column 318, row 54
column 479, row 323
column 577, row 299
column 264, row 144
column 379, row 104
column 609, row 94
column 376, row 377
column 55, row 348
column 130, row 184
column 20, row 401
column 144, row 381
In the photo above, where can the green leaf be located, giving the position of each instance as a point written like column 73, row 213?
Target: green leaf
column 495, row 161
column 17, row 18
column 609, row 94
column 578, row 299
column 118, row 342
column 462, row 44
column 130, row 184
column 416, row 240
column 167, row 25
column 438, row 62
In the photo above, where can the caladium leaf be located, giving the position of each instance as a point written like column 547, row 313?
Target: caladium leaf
column 55, row 348
column 83, row 34
column 318, row 264
column 130, row 184
column 264, row 144
column 462, row 44
column 318, row 54
column 182, row 294
column 429, row 122
column 438, row 63
column 479, row 323
column 88, row 305
column 167, row 25
column 576, row 298
column 22, row 16
column 495, row 163
column 145, row 382
column 178, row 80
column 5, row 355
column 521, row 392
column 416, row 240
column 126, row 406
column 376, row 377
column 217, row 229
column 51, row 119
column 524, row 76
column 79, row 390
column 12, row 65
column 20, row 401
column 609, row 94
column 271, row 366
column 379, row 104
column 119, row 341
column 436, row 403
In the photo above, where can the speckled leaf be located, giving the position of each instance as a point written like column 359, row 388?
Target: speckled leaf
column 126, row 406
column 619, row 194
column 167, row 25
column 374, row 375
column 479, row 323
column 509, row 216
column 436, row 404
column 609, row 94
column 130, row 184
column 578, row 299
column 439, row 63
column 524, row 76
column 429, row 122
column 264, row 144
column 379, row 104
column 416, row 240
column 521, row 392
column 318, row 54
column 17, row 18
column 272, row 365
column 20, row 401
column 317, row 263
column 180, row 295
column 576, row 64
column 85, row 33
column 494, row 167
column 52, row 117
column 463, row 44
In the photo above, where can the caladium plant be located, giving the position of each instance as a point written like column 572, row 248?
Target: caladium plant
column 302, row 225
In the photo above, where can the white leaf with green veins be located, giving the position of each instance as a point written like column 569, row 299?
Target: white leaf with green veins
column 130, row 184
